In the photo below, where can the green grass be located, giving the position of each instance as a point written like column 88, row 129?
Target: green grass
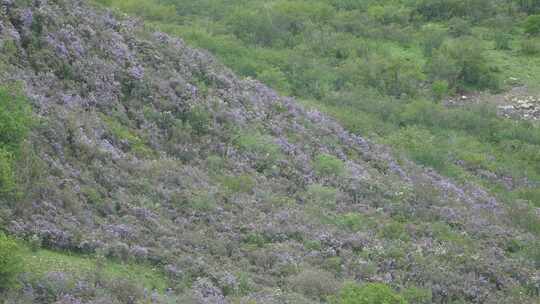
column 43, row 261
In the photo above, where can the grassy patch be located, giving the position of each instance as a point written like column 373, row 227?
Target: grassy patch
column 41, row 262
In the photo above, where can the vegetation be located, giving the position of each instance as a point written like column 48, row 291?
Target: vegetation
column 14, row 125
column 371, row 293
column 328, row 165
column 155, row 175
column 41, row 262
column 375, row 64
column 10, row 261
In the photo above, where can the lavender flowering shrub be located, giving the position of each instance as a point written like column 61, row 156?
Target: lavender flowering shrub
column 153, row 153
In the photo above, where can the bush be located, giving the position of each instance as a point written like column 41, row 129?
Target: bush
column 440, row 89
column 432, row 37
column 459, row 27
column 371, row 293
column 261, row 147
column 328, row 165
column 321, row 195
column 394, row 230
column 354, row 222
column 238, row 184
column 502, row 41
column 530, row 47
column 524, row 216
column 199, row 119
column 10, row 261
column 417, row 295
column 14, row 125
column 316, row 284
column 7, row 180
column 464, row 65
column 421, row 145
column 532, row 25
column 15, row 120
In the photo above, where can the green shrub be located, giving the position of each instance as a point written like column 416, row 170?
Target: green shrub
column 371, row 293
column 354, row 221
column 263, row 149
column 15, row 123
column 238, row 184
column 315, row 284
column 532, row 25
column 203, row 201
column 313, row 245
column 15, row 119
column 417, row 295
column 255, row 239
column 459, row 27
column 463, row 64
column 328, row 165
column 10, row 261
column 93, row 196
column 7, row 179
column 530, row 46
column 502, row 41
column 321, row 195
column 199, row 119
column 421, row 146
column 123, row 133
column 523, row 216
column 394, row 230
column 9, row 50
column 440, row 89
column 432, row 37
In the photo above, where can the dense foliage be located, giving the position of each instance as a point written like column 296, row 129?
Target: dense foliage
column 372, row 293
column 14, row 125
column 10, row 261
column 375, row 64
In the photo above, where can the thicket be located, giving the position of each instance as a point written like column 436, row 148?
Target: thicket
column 14, row 125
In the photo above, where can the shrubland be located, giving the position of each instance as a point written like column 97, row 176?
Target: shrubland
column 153, row 174
column 382, row 67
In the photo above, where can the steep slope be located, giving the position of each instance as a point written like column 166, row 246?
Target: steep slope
column 145, row 150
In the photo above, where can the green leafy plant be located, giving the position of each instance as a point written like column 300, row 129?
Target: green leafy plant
column 15, row 119
column 328, row 165
column 238, row 184
column 10, row 261
column 15, row 123
column 371, row 293
column 7, row 179
column 532, row 25
column 263, row 149
column 321, row 195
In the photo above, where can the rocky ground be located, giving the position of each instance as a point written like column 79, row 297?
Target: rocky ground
column 516, row 103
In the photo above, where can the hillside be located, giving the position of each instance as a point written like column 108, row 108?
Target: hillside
column 136, row 169
column 384, row 68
